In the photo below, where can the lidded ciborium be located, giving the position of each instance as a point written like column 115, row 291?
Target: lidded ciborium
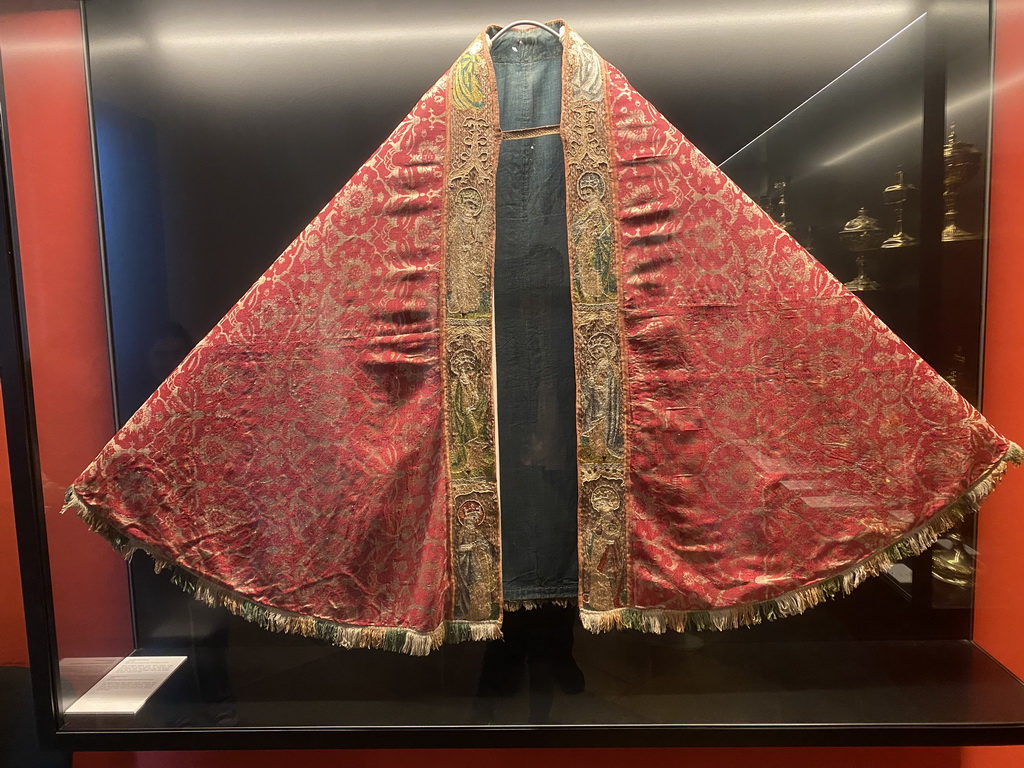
column 862, row 234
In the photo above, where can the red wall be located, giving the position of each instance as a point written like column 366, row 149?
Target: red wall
column 902, row 757
column 13, row 645
column 907, row 757
column 1000, row 599
column 54, row 197
column 44, row 80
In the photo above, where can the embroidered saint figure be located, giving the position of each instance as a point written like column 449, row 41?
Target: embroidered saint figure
column 475, row 557
column 592, row 237
column 467, row 275
column 470, row 427
column 603, row 547
column 601, row 398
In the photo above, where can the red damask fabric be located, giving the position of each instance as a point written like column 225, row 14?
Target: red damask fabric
column 323, row 461
column 295, row 458
column 782, row 436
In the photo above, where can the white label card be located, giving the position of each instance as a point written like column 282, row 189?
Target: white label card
column 125, row 688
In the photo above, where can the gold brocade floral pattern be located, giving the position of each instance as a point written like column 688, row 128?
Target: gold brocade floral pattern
column 291, row 468
column 784, row 444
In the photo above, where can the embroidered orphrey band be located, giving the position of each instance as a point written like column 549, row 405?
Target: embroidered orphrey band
column 600, row 396
column 474, row 527
column 530, row 133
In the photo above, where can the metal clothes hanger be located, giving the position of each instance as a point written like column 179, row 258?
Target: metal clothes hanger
column 557, row 33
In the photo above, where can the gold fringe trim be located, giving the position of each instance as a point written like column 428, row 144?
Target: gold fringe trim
column 531, row 605
column 398, row 639
column 653, row 620
column 799, row 600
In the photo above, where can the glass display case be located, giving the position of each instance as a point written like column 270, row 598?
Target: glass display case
column 198, row 143
column 922, row 273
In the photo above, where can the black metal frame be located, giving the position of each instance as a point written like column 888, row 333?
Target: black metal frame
column 510, row 737
column 39, row 610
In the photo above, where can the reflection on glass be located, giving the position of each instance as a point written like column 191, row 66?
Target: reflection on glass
column 961, row 160
column 862, row 234
column 897, row 195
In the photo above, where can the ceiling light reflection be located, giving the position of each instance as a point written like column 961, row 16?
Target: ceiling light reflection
column 179, row 36
column 820, row 91
column 970, row 99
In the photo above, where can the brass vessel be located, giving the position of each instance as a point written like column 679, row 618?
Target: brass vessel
column 897, row 196
column 862, row 234
column 780, row 209
column 954, row 566
column 961, row 161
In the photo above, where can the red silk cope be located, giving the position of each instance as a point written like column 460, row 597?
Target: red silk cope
column 323, row 462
